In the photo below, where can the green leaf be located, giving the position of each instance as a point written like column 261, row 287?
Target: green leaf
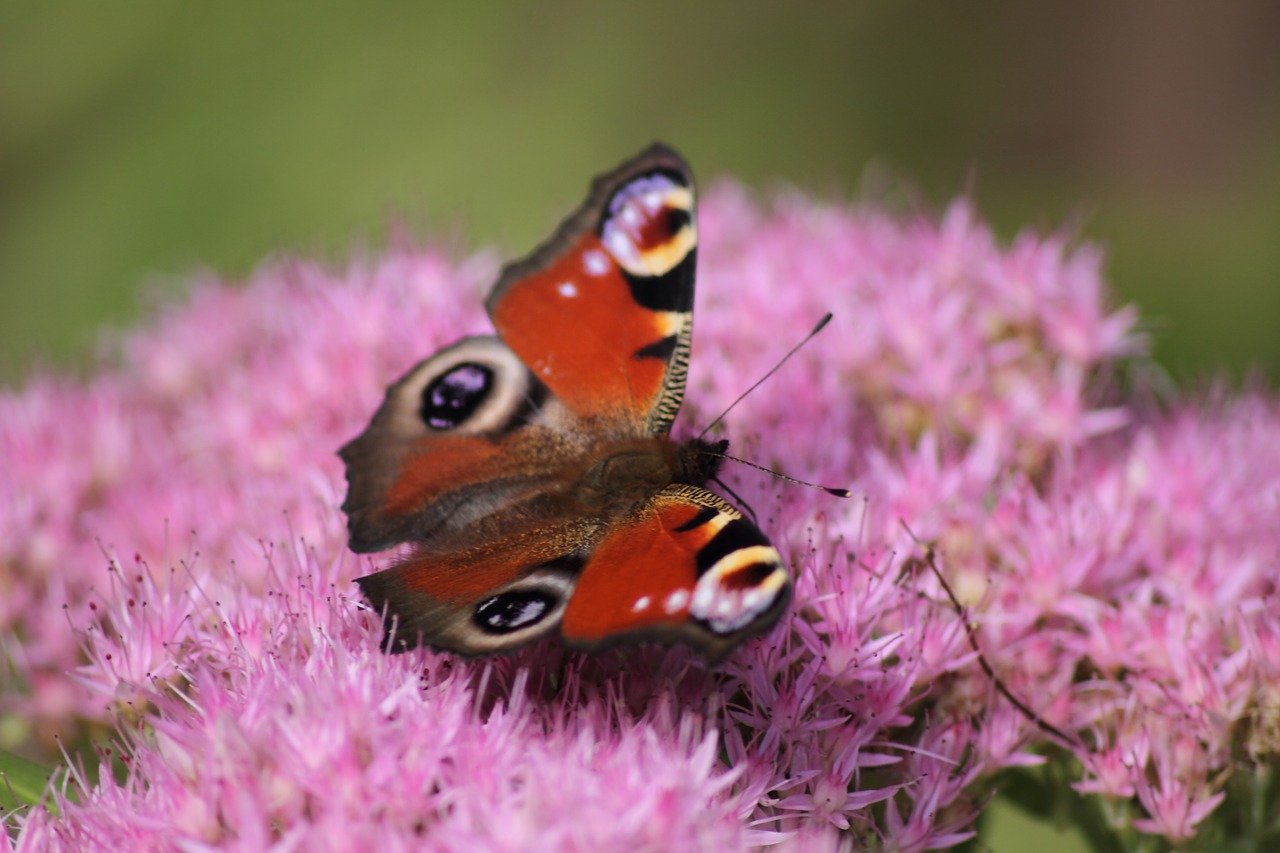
column 21, row 781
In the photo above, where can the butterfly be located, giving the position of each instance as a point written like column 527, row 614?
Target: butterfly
column 532, row 475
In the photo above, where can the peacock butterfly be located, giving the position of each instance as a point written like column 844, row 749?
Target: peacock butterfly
column 532, row 473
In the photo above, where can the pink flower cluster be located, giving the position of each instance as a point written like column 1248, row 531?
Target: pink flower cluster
column 172, row 561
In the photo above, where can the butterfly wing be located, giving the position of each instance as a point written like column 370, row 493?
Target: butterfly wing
column 489, row 598
column 686, row 567
column 466, row 448
column 602, row 312
column 464, row 443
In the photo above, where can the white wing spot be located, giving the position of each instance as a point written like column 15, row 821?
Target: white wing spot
column 703, row 595
column 642, row 603
column 567, row 289
column 595, row 262
column 676, row 601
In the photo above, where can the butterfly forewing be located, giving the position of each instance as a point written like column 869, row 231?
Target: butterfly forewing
column 464, row 435
column 602, row 313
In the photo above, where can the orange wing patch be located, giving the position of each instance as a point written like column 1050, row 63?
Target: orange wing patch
column 585, row 337
column 687, row 564
column 642, row 576
column 468, row 576
column 440, row 465
column 602, row 314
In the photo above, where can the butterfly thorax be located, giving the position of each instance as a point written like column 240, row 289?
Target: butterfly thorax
column 623, row 474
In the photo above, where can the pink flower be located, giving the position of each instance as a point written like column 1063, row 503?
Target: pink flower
column 173, row 562
column 1180, row 796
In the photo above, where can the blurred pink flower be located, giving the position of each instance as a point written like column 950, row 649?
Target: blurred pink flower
column 172, row 561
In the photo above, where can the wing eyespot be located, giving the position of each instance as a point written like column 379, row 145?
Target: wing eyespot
column 523, row 611
column 648, row 227
column 476, row 386
column 678, row 219
column 453, row 397
column 514, row 611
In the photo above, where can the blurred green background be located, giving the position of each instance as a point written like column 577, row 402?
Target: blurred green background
column 142, row 141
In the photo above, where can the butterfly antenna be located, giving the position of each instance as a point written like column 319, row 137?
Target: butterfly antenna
column 818, row 328
column 831, row 490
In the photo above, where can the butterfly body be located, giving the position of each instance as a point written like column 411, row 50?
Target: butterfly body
column 532, row 474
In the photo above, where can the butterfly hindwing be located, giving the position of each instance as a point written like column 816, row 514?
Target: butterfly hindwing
column 602, row 312
column 493, row 597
